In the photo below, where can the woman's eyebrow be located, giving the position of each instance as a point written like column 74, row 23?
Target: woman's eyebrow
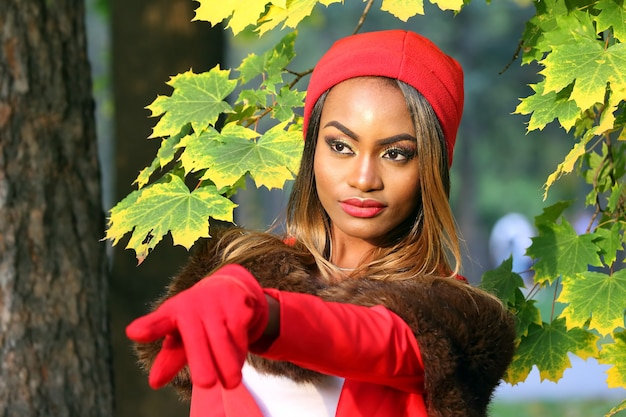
column 386, row 141
column 342, row 128
column 397, row 138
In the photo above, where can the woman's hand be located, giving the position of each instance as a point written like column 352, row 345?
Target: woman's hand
column 209, row 326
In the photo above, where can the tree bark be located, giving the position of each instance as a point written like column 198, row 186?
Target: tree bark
column 54, row 336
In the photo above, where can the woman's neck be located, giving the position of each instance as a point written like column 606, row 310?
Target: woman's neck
column 348, row 254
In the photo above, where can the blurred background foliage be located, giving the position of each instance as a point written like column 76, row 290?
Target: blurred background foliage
column 499, row 168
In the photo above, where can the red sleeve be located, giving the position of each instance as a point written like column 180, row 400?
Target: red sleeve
column 355, row 342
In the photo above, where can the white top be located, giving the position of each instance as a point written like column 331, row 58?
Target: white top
column 279, row 396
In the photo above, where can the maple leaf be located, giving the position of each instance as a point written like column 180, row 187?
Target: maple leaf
column 165, row 155
column 597, row 298
column 197, row 99
column 568, row 163
column 503, row 282
column 551, row 213
column 271, row 160
column 615, row 354
column 454, row 5
column 526, row 314
column 506, row 284
column 546, row 347
column 286, row 100
column 197, row 155
column 272, row 62
column 292, row 13
column 404, row 9
column 545, row 107
column 171, row 207
column 560, row 251
column 610, row 241
column 242, row 13
column 583, row 60
column 611, row 15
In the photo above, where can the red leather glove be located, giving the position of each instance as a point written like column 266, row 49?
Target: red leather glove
column 209, row 326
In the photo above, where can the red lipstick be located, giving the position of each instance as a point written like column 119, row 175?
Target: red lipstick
column 356, row 207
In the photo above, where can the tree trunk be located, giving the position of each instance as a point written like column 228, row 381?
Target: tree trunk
column 54, row 337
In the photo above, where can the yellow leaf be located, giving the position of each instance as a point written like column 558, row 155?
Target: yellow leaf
column 403, row 9
column 246, row 14
column 214, row 15
column 242, row 12
column 455, row 5
column 568, row 163
column 607, row 117
column 291, row 14
column 615, row 354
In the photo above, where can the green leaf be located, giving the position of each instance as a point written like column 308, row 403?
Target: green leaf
column 253, row 98
column 551, row 214
column 609, row 242
column 560, row 251
column 506, row 285
column 199, row 148
column 585, row 61
column 612, row 15
column 272, row 62
column 617, row 195
column 546, row 347
column 526, row 314
column 286, row 101
column 171, row 207
column 544, row 22
column 503, row 282
column 165, row 155
column 545, row 107
column 596, row 296
column 615, row 354
column 197, row 99
column 270, row 161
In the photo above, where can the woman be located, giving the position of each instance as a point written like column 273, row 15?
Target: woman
column 358, row 312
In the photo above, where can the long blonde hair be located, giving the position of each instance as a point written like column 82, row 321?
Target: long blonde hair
column 426, row 243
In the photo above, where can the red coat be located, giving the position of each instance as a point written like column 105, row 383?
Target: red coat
column 428, row 347
column 391, row 385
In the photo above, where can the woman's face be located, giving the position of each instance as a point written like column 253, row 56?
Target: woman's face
column 366, row 166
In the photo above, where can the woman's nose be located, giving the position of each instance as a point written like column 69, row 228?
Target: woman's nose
column 365, row 174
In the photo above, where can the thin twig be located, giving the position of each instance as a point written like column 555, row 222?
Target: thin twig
column 368, row 6
column 515, row 56
column 299, row 76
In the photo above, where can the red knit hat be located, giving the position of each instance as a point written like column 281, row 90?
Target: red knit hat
column 398, row 54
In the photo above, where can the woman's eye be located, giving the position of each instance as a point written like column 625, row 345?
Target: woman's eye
column 339, row 146
column 396, row 154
